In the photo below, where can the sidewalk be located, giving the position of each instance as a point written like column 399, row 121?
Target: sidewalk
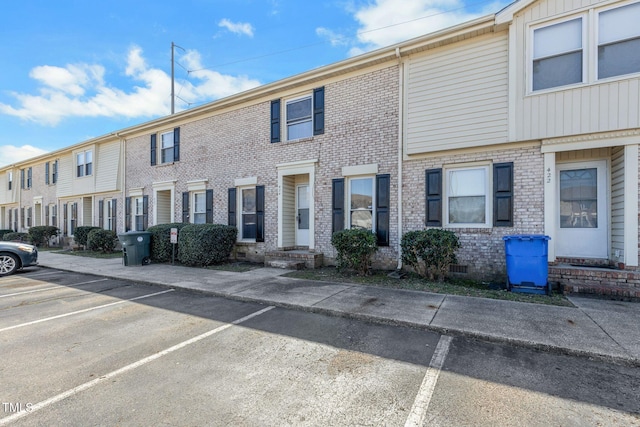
column 602, row 329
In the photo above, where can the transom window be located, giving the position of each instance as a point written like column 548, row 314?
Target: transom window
column 199, row 208
column 84, row 163
column 299, row 118
column 361, row 197
column 167, row 142
column 467, row 191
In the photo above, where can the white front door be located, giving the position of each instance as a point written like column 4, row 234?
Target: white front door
column 302, row 215
column 583, row 223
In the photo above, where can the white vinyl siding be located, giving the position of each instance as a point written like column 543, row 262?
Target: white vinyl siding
column 617, row 200
column 457, row 96
column 289, row 210
column 107, row 169
column 66, row 172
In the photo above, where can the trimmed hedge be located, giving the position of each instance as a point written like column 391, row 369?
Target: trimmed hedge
column 15, row 237
column 161, row 241
column 356, row 247
column 206, row 244
column 40, row 234
column 3, row 232
column 102, row 240
column 430, row 252
column 80, row 234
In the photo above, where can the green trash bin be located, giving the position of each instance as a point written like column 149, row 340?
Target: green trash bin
column 136, row 248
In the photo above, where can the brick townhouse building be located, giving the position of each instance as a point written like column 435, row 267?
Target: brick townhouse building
column 522, row 122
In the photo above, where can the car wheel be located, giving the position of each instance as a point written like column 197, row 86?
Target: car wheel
column 8, row 264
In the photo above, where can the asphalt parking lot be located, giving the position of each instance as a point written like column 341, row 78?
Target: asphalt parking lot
column 78, row 349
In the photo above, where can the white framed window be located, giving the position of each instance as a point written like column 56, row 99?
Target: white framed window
column 558, row 55
column 299, row 117
column 619, row 41
column 53, row 215
column 360, row 200
column 10, row 179
column 199, row 203
column 467, row 196
column 166, row 147
column 138, row 214
column 109, row 215
column 84, row 163
column 248, row 213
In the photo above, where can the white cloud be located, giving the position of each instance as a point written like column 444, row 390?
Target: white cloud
column 237, row 27
column 385, row 22
column 12, row 154
column 334, row 38
column 79, row 90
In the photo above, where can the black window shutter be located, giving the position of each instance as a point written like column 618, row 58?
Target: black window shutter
column 101, row 213
column 154, row 147
column 337, row 204
column 176, row 144
column 503, row 194
column 64, row 220
column 29, row 178
column 433, row 184
column 145, row 212
column 54, row 177
column 127, row 214
column 185, row 207
column 46, row 215
column 29, row 215
column 383, row 201
column 46, row 173
column 22, row 178
column 209, row 204
column 318, row 111
column 275, row 120
column 231, row 207
column 259, row 213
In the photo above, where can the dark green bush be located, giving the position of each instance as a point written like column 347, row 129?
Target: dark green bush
column 3, row 232
column 102, row 240
column 161, row 241
column 430, row 252
column 206, row 244
column 40, row 234
column 356, row 248
column 15, row 237
column 80, row 234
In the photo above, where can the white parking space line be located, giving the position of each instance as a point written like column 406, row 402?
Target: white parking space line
column 52, row 288
column 71, row 392
column 423, row 398
column 82, row 311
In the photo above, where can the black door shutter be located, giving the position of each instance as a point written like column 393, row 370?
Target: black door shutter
column 337, row 204
column 46, row 215
column 383, row 200
column 433, row 184
column 185, row 207
column 153, row 150
column 64, row 220
column 145, row 212
column 275, row 120
column 318, row 111
column 176, row 144
column 127, row 214
column 209, row 203
column 259, row 213
column 231, row 207
column 101, row 213
column 503, row 194
column 114, row 215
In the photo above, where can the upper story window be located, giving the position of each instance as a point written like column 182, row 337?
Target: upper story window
column 169, row 150
column 84, row 163
column 26, row 179
column 557, row 55
column 619, row 41
column 303, row 116
column 10, row 179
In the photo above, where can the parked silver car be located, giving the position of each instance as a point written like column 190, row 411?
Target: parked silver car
column 15, row 256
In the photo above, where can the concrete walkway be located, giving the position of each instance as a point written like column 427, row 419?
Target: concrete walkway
column 598, row 328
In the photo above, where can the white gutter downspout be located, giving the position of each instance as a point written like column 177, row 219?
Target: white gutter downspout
column 400, row 154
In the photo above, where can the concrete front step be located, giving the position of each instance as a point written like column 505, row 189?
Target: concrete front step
column 306, row 258
column 287, row 265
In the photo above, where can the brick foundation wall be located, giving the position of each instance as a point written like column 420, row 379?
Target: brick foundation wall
column 597, row 281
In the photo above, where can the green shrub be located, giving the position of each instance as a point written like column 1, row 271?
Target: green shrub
column 3, row 232
column 430, row 252
column 80, row 234
column 206, row 244
column 15, row 237
column 356, row 248
column 102, row 240
column 161, row 241
column 42, row 233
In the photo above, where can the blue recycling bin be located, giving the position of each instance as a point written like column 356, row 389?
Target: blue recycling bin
column 527, row 267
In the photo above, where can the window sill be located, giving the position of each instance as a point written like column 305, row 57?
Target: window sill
column 296, row 141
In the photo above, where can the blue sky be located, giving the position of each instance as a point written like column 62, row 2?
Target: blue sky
column 77, row 69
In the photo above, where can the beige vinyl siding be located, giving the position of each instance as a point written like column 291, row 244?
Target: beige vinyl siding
column 288, row 211
column 107, row 167
column 457, row 96
column 5, row 193
column 87, row 211
column 66, row 172
column 590, row 107
column 617, row 200
column 163, row 204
